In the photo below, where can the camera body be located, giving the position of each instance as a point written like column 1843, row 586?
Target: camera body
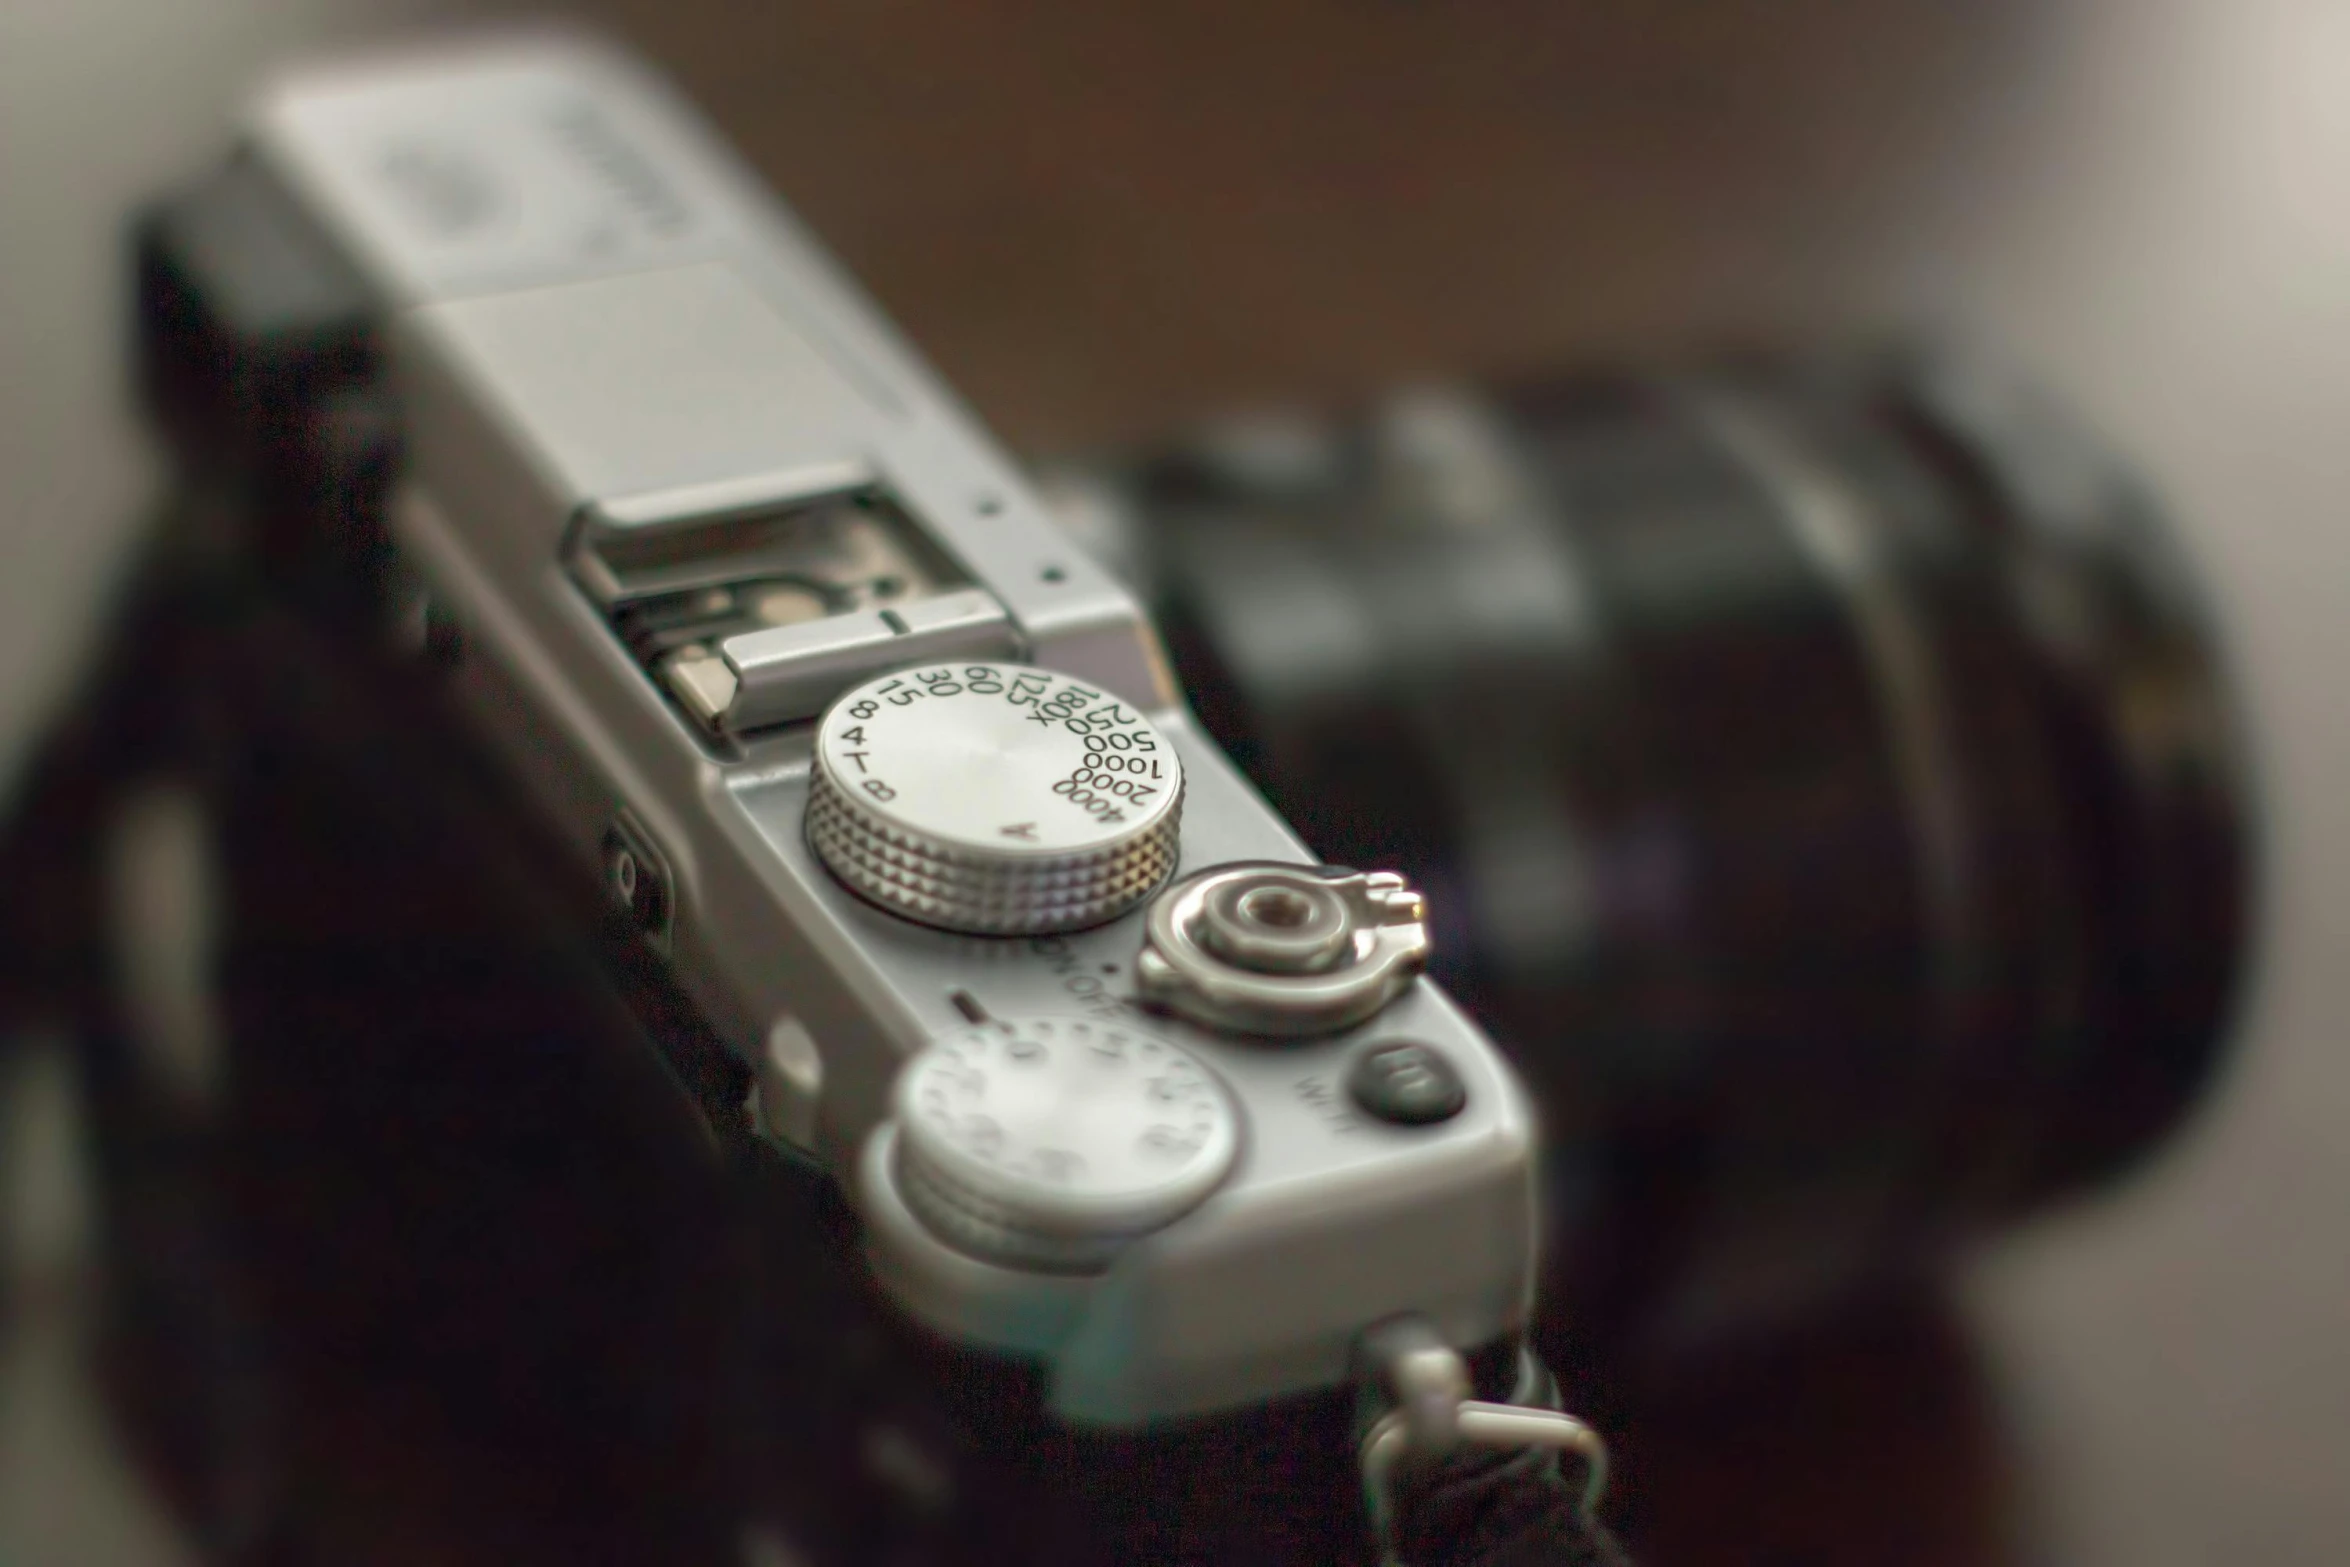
column 668, row 488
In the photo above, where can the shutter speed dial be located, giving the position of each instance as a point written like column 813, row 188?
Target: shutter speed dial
column 1052, row 1143
column 996, row 799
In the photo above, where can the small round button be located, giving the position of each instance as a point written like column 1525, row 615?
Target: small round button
column 1406, row 1082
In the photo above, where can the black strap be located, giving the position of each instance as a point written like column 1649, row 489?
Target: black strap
column 1498, row 1509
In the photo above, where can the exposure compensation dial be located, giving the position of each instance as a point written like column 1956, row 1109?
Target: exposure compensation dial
column 997, row 799
column 1051, row 1143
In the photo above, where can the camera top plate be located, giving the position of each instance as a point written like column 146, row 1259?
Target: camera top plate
column 661, row 459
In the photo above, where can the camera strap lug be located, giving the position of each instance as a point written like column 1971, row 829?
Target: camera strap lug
column 1428, row 1444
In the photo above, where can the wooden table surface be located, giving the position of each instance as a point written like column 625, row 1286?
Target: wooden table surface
column 1104, row 220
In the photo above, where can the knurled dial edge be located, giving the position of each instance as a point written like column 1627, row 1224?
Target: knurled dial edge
column 994, row 799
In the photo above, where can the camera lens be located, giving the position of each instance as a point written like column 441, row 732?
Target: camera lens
column 1820, row 773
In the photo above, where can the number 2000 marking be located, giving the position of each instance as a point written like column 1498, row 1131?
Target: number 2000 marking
column 1121, row 751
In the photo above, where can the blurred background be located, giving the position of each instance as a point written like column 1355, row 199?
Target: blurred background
column 1105, row 222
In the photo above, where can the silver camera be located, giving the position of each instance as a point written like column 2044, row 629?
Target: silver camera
column 1119, row 1081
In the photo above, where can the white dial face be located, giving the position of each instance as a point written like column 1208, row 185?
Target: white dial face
column 999, row 760
column 1068, row 1125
